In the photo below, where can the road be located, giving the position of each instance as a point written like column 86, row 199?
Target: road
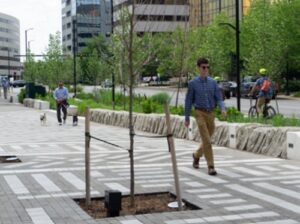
column 287, row 106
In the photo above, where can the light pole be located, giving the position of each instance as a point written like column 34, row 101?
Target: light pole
column 8, row 62
column 113, row 74
column 29, row 49
column 74, row 21
column 237, row 32
column 237, row 44
column 26, row 44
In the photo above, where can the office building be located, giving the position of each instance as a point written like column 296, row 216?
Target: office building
column 82, row 20
column 155, row 16
column 10, row 65
column 203, row 12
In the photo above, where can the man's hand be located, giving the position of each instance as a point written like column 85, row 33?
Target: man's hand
column 224, row 114
column 187, row 124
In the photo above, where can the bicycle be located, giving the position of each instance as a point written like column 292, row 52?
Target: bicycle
column 268, row 110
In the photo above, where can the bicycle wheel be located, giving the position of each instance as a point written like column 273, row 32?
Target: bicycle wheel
column 252, row 112
column 269, row 112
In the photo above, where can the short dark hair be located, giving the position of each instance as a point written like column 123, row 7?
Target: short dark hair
column 201, row 61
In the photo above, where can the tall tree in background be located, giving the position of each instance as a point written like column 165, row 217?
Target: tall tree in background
column 54, row 61
column 95, row 61
column 261, row 47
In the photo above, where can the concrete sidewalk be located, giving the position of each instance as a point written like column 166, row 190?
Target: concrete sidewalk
column 250, row 188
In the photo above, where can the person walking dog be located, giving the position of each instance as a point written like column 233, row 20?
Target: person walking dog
column 204, row 94
column 61, row 96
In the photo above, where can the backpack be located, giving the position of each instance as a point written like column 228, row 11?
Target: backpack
column 266, row 85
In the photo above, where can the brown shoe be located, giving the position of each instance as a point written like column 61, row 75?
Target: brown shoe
column 212, row 171
column 195, row 162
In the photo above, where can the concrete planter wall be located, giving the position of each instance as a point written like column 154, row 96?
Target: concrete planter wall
column 257, row 138
column 37, row 104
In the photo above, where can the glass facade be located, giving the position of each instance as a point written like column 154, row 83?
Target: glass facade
column 203, row 12
column 82, row 20
column 10, row 66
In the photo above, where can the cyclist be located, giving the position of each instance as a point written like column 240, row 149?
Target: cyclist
column 263, row 89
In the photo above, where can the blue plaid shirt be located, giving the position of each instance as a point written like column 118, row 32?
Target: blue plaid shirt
column 203, row 94
column 60, row 93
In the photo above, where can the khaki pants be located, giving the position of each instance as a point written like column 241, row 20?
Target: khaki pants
column 206, row 125
column 260, row 105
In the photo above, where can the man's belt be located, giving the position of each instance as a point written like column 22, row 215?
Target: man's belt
column 203, row 109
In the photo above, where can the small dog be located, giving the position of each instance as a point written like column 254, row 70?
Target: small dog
column 43, row 118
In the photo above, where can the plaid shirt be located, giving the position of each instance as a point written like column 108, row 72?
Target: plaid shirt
column 60, row 93
column 204, row 94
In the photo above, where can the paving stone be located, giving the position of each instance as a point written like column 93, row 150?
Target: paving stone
column 51, row 152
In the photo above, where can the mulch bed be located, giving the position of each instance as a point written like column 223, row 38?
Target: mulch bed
column 9, row 159
column 144, row 204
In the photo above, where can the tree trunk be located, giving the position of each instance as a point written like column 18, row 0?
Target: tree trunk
column 131, row 129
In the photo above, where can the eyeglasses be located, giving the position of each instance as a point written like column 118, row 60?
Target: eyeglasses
column 204, row 67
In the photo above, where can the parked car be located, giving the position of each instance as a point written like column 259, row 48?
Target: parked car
column 225, row 87
column 18, row 83
column 106, row 83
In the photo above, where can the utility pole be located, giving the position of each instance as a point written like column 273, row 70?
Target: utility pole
column 237, row 32
column 8, row 61
column 26, row 44
column 111, row 36
column 74, row 54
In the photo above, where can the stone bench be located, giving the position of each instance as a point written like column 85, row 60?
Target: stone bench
column 257, row 138
column 293, row 145
column 37, row 104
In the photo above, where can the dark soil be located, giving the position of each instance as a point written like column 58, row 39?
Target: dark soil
column 9, row 159
column 144, row 204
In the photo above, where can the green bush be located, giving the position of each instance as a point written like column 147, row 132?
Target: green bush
column 297, row 94
column 85, row 96
column 160, row 98
column 21, row 96
column 177, row 110
column 148, row 106
column 294, row 85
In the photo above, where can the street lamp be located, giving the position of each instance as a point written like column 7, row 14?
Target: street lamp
column 26, row 44
column 75, row 46
column 113, row 74
column 29, row 49
column 237, row 39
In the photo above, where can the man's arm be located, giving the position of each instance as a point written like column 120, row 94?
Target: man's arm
column 54, row 95
column 219, row 98
column 188, row 103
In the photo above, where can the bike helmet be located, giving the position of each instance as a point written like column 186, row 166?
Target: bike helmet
column 217, row 78
column 263, row 71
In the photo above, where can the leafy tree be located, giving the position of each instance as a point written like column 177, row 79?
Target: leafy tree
column 95, row 60
column 258, row 38
column 54, row 61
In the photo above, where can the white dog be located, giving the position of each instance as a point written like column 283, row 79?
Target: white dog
column 43, row 118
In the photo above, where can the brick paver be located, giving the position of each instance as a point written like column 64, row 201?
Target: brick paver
column 250, row 188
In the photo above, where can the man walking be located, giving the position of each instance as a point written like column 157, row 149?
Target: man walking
column 61, row 96
column 204, row 94
column 5, row 85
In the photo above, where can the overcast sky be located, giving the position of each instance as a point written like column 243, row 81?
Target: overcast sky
column 44, row 16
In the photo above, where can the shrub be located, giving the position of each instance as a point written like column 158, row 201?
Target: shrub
column 297, row 94
column 148, row 106
column 21, row 96
column 160, row 98
column 177, row 110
